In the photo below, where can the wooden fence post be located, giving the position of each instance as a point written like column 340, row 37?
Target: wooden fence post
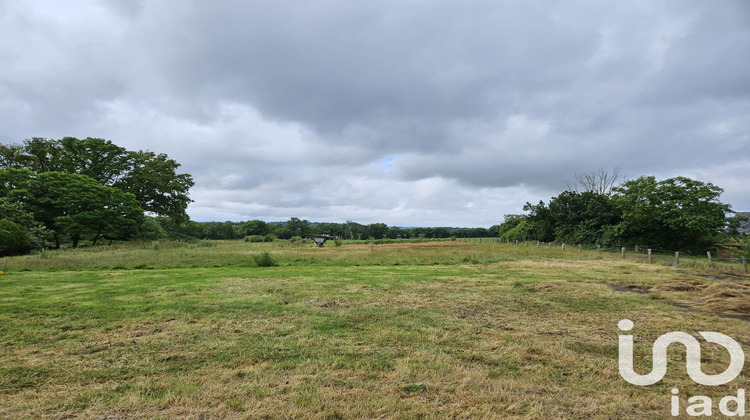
column 623, row 253
column 537, row 244
column 649, row 256
column 676, row 259
column 598, row 249
column 563, row 247
column 549, row 244
column 710, row 262
column 579, row 247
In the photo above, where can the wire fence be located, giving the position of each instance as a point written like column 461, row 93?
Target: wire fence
column 704, row 260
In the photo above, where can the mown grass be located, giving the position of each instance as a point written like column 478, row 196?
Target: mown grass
column 429, row 330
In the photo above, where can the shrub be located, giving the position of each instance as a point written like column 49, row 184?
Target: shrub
column 265, row 259
column 14, row 239
column 205, row 243
column 296, row 241
column 255, row 238
column 150, row 230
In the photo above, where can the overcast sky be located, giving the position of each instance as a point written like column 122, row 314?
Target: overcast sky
column 407, row 112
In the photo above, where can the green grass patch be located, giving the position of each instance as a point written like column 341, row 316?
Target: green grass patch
column 404, row 330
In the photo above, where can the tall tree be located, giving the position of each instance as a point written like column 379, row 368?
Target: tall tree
column 96, row 158
column 75, row 206
column 582, row 217
column 599, row 181
column 253, row 227
column 151, row 177
column 675, row 213
column 154, row 181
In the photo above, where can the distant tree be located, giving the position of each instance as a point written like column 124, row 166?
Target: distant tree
column 395, row 233
column 294, row 227
column 181, row 230
column 509, row 222
column 734, row 225
column 478, row 232
column 253, row 227
column 150, row 230
column 353, row 230
column 335, row 229
column 377, row 230
column 219, row 230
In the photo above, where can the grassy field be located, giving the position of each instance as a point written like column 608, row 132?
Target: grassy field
column 423, row 330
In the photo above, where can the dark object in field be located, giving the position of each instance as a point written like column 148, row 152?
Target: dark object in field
column 320, row 239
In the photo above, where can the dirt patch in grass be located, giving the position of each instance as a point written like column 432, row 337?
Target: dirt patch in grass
column 546, row 287
column 681, row 285
column 632, row 288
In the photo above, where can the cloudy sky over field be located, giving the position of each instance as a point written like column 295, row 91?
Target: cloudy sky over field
column 407, row 112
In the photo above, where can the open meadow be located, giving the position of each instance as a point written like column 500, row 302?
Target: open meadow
column 399, row 330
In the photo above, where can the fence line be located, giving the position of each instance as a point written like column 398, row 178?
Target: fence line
column 648, row 255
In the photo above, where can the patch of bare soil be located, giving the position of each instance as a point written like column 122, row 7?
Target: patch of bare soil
column 633, row 288
column 546, row 287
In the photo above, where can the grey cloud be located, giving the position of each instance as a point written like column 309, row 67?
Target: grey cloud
column 283, row 107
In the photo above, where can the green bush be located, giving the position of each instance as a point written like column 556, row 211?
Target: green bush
column 204, row 243
column 255, row 238
column 14, row 239
column 265, row 259
column 150, row 230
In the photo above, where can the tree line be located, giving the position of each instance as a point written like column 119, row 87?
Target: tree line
column 671, row 214
column 72, row 191
column 296, row 227
column 55, row 192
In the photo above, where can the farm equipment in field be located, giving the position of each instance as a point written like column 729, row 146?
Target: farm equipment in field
column 320, row 240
